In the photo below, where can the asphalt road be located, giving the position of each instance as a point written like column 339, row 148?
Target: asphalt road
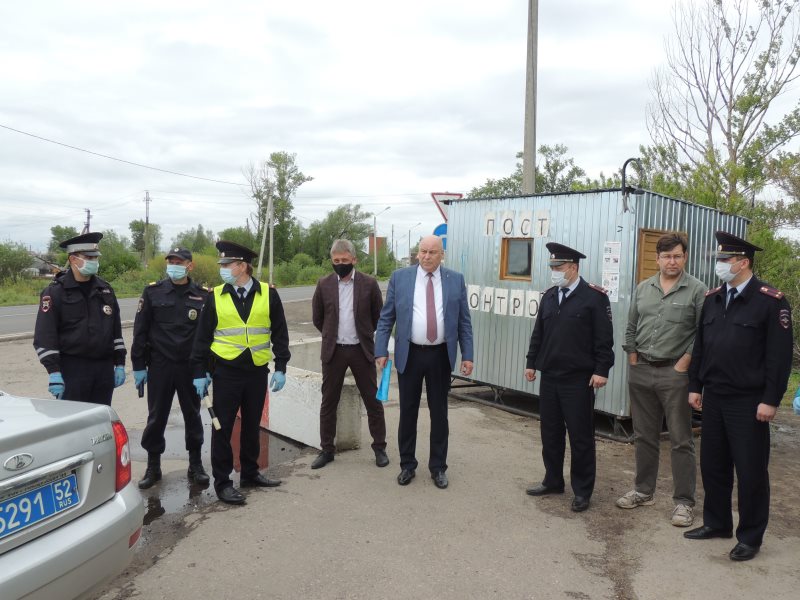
column 20, row 320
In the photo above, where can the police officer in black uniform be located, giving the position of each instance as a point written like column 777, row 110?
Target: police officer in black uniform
column 241, row 328
column 572, row 345
column 740, row 368
column 78, row 335
column 163, row 333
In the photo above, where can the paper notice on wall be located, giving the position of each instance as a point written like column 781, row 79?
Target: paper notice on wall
column 611, row 255
column 611, row 285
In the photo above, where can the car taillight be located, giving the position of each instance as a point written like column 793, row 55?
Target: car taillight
column 123, row 470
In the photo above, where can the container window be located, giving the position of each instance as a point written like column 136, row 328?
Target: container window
column 515, row 259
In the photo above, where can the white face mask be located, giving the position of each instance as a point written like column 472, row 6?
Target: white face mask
column 723, row 271
column 558, row 278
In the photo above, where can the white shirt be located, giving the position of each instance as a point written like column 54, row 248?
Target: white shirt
column 347, row 333
column 739, row 288
column 419, row 319
column 571, row 287
column 247, row 287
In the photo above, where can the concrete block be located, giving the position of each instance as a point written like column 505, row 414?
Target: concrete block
column 294, row 411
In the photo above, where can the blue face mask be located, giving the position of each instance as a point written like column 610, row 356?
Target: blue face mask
column 226, row 275
column 176, row 272
column 89, row 268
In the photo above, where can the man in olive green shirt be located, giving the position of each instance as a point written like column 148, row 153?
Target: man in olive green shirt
column 662, row 322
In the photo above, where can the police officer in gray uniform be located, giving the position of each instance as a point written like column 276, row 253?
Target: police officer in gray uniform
column 163, row 333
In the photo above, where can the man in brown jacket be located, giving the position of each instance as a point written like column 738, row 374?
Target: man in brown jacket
column 345, row 308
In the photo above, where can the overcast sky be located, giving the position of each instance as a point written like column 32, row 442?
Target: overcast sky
column 383, row 103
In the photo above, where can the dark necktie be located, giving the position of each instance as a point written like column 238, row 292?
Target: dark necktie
column 430, row 306
column 731, row 294
column 563, row 295
column 241, row 292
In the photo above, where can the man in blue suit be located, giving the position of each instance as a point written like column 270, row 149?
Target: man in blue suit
column 428, row 303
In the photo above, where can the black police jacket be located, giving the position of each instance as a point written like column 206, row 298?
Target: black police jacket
column 745, row 350
column 575, row 337
column 166, row 321
column 70, row 323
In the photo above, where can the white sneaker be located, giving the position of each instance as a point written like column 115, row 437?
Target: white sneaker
column 683, row 515
column 633, row 499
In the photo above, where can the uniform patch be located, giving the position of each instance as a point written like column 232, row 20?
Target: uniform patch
column 195, row 298
column 107, row 309
column 141, row 305
column 784, row 318
column 46, row 303
column 192, row 314
column 770, row 291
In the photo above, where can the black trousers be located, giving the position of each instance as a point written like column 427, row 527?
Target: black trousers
column 567, row 406
column 431, row 364
column 164, row 379
column 733, row 439
column 364, row 373
column 235, row 389
column 88, row 379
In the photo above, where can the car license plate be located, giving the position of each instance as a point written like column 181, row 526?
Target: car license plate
column 36, row 505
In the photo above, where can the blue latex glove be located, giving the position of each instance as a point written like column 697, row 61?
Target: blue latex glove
column 119, row 375
column 139, row 377
column 278, row 381
column 56, row 385
column 201, row 385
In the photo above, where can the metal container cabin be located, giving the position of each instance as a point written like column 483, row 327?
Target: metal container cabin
column 602, row 224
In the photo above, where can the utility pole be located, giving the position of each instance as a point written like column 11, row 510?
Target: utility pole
column 529, row 148
column 391, row 247
column 146, row 224
column 88, row 221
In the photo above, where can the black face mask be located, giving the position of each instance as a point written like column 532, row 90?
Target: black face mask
column 343, row 270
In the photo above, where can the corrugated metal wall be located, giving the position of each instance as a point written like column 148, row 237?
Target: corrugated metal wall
column 584, row 221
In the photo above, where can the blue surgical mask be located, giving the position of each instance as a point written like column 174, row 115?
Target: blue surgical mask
column 176, row 272
column 89, row 268
column 226, row 275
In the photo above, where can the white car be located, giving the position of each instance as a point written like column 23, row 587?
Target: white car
column 69, row 515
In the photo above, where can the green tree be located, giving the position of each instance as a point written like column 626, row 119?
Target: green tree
column 727, row 64
column 555, row 172
column 277, row 178
column 347, row 221
column 116, row 257
column 59, row 233
column 196, row 239
column 14, row 259
column 137, row 228
column 243, row 236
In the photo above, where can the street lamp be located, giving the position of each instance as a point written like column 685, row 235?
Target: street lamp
column 409, row 240
column 375, row 239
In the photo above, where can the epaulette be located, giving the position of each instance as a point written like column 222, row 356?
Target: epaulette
column 713, row 291
column 598, row 288
column 771, row 291
column 154, row 283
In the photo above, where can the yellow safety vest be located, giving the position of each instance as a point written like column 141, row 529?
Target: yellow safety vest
column 233, row 336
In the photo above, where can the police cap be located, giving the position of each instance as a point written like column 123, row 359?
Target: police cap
column 86, row 244
column 182, row 253
column 231, row 252
column 560, row 254
column 729, row 245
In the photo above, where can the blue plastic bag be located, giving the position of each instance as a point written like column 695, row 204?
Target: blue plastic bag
column 796, row 402
column 383, row 387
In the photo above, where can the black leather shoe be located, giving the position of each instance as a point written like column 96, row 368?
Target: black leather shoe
column 230, row 495
column 580, row 503
column 743, row 551
column 197, row 474
column 322, row 459
column 405, row 477
column 151, row 476
column 439, row 479
column 380, row 458
column 259, row 481
column 706, row 533
column 542, row 490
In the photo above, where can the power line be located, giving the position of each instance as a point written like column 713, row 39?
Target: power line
column 127, row 162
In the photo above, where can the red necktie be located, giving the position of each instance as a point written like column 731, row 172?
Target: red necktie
column 430, row 305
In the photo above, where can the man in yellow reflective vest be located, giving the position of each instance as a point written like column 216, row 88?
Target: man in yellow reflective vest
column 242, row 327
